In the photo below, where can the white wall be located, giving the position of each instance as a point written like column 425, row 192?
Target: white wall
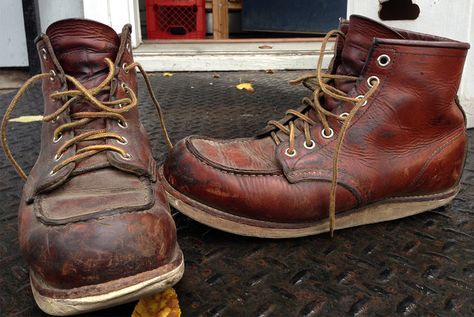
column 115, row 13
column 53, row 10
column 12, row 36
column 448, row 18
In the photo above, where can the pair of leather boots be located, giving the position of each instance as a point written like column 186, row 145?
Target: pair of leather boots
column 381, row 137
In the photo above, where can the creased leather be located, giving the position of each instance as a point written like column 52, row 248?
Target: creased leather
column 399, row 144
column 103, row 218
column 82, row 54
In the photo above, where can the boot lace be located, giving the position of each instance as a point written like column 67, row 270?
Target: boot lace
column 323, row 86
column 105, row 109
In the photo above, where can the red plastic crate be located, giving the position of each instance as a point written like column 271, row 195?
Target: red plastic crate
column 176, row 19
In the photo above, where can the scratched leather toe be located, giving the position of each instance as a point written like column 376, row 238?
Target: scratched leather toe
column 381, row 136
column 94, row 221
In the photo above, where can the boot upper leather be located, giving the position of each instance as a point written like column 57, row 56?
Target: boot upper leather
column 408, row 140
column 104, row 217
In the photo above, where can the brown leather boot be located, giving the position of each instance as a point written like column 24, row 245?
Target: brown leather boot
column 382, row 137
column 94, row 222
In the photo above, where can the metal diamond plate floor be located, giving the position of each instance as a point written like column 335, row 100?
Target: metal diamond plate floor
column 417, row 266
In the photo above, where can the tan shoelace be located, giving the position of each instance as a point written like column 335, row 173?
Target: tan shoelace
column 106, row 109
column 324, row 88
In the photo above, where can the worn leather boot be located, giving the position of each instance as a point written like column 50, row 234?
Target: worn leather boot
column 94, row 222
column 382, row 137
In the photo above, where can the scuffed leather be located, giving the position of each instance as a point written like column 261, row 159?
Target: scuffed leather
column 262, row 195
column 409, row 139
column 103, row 218
column 251, row 155
column 98, row 250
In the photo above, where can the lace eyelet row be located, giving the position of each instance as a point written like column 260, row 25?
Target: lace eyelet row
column 312, row 145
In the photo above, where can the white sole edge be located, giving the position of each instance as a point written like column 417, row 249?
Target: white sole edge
column 73, row 306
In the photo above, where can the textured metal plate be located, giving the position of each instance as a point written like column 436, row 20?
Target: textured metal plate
column 417, row 266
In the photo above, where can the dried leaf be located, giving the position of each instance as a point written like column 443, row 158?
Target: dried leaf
column 245, row 86
column 269, row 71
column 167, row 74
column 26, row 119
column 164, row 304
column 216, row 76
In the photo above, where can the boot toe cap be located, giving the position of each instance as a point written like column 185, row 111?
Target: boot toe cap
column 263, row 194
column 102, row 248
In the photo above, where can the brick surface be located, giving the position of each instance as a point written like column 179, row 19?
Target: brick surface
column 417, row 266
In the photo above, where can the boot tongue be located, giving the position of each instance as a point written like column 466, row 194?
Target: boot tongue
column 82, row 45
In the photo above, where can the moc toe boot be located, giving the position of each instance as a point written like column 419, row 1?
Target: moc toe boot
column 382, row 137
column 94, row 222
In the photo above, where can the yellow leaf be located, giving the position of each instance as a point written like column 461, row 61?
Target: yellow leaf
column 167, row 74
column 164, row 304
column 26, row 119
column 245, row 86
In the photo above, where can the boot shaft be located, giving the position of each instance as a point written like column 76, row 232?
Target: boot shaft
column 408, row 128
column 78, row 49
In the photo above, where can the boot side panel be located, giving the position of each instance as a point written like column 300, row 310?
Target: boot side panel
column 443, row 169
column 430, row 112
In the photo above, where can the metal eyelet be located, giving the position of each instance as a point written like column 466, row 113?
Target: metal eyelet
column 58, row 157
column 327, row 136
column 129, row 48
column 124, row 67
column 344, row 115
column 52, row 74
column 56, row 140
column 55, row 120
column 287, row 153
column 124, row 142
column 371, row 79
column 124, row 86
column 52, row 173
column 362, row 97
column 383, row 60
column 123, row 124
column 126, row 157
column 309, row 147
column 44, row 53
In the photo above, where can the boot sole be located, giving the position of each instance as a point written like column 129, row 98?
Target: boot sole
column 94, row 297
column 389, row 209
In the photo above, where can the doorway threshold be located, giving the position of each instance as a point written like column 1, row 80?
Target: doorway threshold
column 231, row 55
